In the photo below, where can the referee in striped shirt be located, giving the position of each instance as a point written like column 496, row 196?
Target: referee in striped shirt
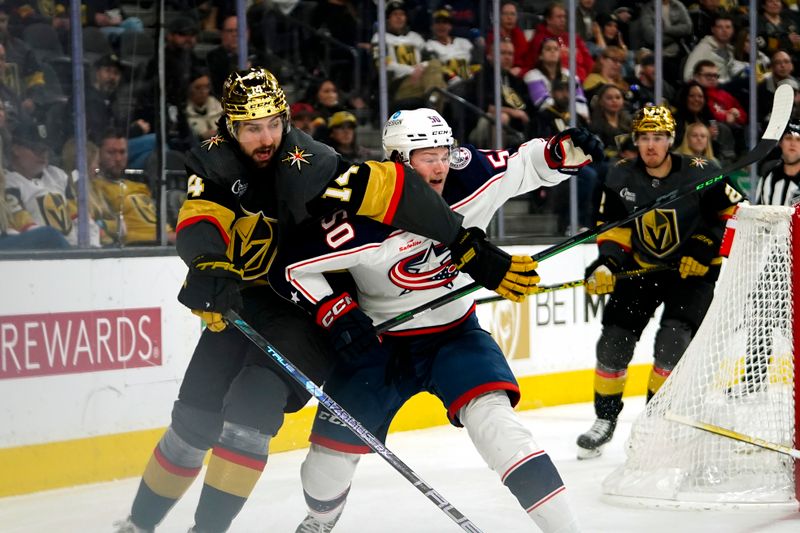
column 780, row 180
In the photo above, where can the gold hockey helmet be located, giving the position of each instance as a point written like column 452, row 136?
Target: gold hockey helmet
column 654, row 118
column 251, row 94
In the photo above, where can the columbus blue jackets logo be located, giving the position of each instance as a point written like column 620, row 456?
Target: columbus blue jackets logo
column 428, row 269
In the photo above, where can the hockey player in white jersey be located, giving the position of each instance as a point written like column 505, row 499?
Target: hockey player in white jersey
column 444, row 352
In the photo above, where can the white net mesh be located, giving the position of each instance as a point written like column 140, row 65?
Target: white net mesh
column 738, row 374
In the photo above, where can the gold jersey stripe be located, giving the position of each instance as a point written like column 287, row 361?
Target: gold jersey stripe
column 196, row 210
column 621, row 236
column 383, row 191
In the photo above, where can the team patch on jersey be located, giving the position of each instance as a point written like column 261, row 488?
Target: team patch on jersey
column 428, row 269
column 211, row 142
column 460, row 158
column 627, row 195
column 297, row 156
column 698, row 162
column 252, row 245
column 238, row 188
column 658, row 231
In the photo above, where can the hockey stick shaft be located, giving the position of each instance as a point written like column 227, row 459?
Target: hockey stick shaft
column 580, row 282
column 779, row 118
column 354, row 425
column 735, row 435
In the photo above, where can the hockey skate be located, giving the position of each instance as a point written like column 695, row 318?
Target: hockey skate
column 126, row 526
column 312, row 524
column 590, row 444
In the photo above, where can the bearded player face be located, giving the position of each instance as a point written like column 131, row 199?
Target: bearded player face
column 653, row 148
column 259, row 139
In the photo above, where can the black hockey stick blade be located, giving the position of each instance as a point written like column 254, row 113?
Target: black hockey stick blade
column 352, row 424
column 779, row 118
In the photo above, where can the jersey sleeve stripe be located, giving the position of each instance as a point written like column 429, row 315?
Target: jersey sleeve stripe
column 194, row 211
column 621, row 236
column 385, row 182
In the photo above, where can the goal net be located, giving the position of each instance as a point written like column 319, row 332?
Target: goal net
column 738, row 373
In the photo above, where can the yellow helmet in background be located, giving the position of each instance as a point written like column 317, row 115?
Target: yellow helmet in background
column 654, row 118
column 252, row 94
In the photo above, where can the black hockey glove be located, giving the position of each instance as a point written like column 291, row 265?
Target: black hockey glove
column 212, row 288
column 572, row 149
column 512, row 277
column 697, row 254
column 599, row 275
column 350, row 331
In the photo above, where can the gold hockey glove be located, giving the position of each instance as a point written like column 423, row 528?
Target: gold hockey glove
column 512, row 277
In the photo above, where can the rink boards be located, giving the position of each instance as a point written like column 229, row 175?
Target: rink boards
column 92, row 352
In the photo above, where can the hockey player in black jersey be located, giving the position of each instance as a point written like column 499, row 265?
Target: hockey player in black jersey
column 685, row 234
column 258, row 176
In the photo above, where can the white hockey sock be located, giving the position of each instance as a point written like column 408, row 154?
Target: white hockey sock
column 508, row 448
column 326, row 475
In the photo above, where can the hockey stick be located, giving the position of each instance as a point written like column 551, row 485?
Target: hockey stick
column 579, row 282
column 779, row 118
column 735, row 435
column 353, row 424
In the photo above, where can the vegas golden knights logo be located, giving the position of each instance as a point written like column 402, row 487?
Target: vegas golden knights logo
column 658, row 231
column 53, row 207
column 510, row 328
column 511, row 98
column 405, row 54
column 142, row 207
column 253, row 245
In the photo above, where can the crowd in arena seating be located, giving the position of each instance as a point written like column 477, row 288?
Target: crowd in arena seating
column 324, row 52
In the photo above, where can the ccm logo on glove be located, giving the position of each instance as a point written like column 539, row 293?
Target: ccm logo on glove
column 330, row 310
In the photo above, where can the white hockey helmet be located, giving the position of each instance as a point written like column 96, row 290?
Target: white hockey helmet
column 408, row 130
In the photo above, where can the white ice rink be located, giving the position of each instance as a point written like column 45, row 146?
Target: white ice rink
column 383, row 501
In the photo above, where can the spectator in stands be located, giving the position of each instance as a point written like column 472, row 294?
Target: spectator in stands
column 202, row 109
column 43, row 190
column 697, row 142
column 224, row 59
column 323, row 97
column 607, row 69
column 110, row 17
column 607, row 34
column 22, row 71
column 642, row 87
column 455, row 53
column 702, row 14
column 717, row 48
column 18, row 230
column 609, row 118
column 547, row 69
column 510, row 30
column 777, row 29
column 466, row 20
column 412, row 78
column 515, row 103
column 130, row 199
column 12, row 105
column 342, row 137
column 691, row 106
column 677, row 29
column 724, row 107
column 303, row 117
column 781, row 68
column 555, row 25
column 547, row 122
column 741, row 52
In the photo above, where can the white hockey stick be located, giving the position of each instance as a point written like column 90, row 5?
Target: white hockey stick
column 735, row 435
